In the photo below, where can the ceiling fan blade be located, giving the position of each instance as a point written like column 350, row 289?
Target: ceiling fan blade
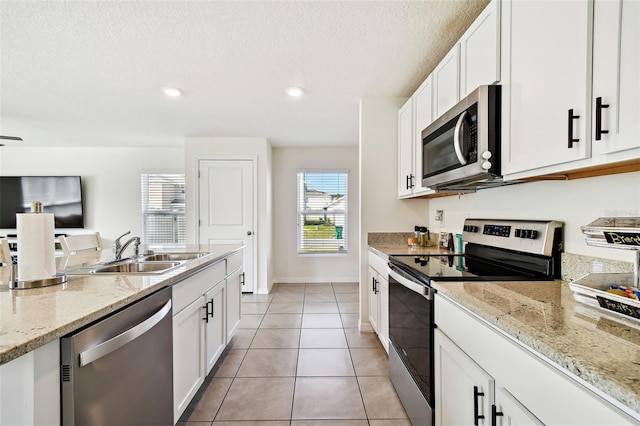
column 11, row 138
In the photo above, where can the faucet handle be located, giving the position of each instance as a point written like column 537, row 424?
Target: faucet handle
column 136, row 247
column 118, row 239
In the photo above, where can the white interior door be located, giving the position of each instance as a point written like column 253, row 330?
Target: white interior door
column 227, row 208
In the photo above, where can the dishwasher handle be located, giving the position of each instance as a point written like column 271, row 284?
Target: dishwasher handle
column 108, row 346
column 403, row 279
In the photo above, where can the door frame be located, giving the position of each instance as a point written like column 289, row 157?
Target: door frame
column 255, row 230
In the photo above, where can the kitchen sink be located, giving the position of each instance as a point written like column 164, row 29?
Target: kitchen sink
column 163, row 257
column 135, row 267
column 156, row 263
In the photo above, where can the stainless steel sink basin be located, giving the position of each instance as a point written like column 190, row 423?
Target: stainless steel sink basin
column 157, row 263
column 162, row 257
column 135, row 267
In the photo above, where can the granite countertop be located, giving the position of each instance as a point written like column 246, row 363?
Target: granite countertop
column 30, row 318
column 544, row 317
column 400, row 249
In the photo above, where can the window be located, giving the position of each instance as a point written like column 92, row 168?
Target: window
column 322, row 212
column 163, row 218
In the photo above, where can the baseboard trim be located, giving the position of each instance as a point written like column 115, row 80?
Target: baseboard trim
column 300, row 280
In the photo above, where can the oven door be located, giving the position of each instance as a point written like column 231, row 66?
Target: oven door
column 411, row 333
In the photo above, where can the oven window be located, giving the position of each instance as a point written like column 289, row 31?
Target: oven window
column 411, row 332
column 439, row 154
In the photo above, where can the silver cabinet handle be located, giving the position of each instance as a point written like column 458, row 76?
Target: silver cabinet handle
column 456, row 139
column 122, row 339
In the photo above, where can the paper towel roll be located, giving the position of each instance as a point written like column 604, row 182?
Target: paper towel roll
column 36, row 246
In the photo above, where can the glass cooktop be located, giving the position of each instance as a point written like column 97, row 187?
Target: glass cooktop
column 458, row 267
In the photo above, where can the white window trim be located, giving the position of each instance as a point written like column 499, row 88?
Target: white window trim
column 145, row 234
column 346, row 230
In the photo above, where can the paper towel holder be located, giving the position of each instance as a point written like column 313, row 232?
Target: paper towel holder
column 17, row 284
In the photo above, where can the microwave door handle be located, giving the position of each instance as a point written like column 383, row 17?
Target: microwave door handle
column 457, row 141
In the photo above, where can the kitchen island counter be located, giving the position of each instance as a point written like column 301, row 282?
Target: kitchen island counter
column 544, row 318
column 395, row 249
column 30, row 318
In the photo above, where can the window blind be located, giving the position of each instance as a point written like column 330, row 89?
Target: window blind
column 163, row 209
column 322, row 212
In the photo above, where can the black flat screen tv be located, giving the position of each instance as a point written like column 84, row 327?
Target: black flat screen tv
column 60, row 195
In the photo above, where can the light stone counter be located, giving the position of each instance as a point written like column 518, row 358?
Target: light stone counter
column 544, row 317
column 386, row 250
column 32, row 318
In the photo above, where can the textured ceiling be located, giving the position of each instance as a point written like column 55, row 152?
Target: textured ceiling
column 89, row 73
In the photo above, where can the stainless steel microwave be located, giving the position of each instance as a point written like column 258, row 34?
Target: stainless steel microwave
column 461, row 149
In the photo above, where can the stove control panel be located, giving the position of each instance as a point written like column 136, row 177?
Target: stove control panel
column 497, row 230
column 529, row 236
column 526, row 233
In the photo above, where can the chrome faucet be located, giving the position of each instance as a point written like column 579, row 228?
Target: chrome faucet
column 119, row 248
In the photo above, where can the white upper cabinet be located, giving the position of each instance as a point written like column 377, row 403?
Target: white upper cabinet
column 546, row 75
column 480, row 51
column 616, row 71
column 413, row 114
column 405, row 149
column 422, row 117
column 446, row 82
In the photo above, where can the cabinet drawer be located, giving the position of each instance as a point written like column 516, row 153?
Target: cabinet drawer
column 191, row 288
column 378, row 263
column 234, row 263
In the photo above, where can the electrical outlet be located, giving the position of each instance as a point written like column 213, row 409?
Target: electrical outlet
column 440, row 217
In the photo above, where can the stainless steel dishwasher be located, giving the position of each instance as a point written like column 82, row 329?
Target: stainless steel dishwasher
column 119, row 370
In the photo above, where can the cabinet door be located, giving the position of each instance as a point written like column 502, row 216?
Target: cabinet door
column 509, row 411
column 405, row 149
column 214, row 325
column 480, row 51
column 234, row 302
column 188, row 350
column 446, row 78
column 422, row 117
column 616, row 66
column 545, row 94
column 383, row 286
column 374, row 301
column 464, row 391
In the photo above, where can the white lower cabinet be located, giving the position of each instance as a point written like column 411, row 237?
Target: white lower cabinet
column 483, row 377
column 379, row 298
column 206, row 314
column 214, row 325
column 464, row 391
column 509, row 412
column 374, row 301
column 188, row 355
column 235, row 280
column 466, row 394
column 30, row 388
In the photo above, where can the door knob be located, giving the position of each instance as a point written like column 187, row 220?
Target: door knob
column 249, row 233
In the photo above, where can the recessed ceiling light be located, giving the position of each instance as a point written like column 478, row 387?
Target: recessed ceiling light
column 294, row 91
column 172, row 91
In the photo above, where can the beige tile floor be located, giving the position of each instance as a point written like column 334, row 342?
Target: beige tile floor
column 299, row 359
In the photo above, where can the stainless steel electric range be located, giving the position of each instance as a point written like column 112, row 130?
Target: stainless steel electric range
column 495, row 250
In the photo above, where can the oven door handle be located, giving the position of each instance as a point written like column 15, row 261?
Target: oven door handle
column 401, row 278
column 456, row 139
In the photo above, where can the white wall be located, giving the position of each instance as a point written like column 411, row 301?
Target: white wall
column 258, row 148
column 110, row 179
column 575, row 202
column 380, row 208
column 288, row 265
